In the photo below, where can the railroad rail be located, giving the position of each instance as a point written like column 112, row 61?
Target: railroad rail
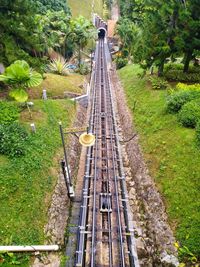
column 106, row 232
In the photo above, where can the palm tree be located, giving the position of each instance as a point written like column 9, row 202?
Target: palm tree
column 83, row 32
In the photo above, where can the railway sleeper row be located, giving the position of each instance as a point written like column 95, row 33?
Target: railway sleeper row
column 104, row 237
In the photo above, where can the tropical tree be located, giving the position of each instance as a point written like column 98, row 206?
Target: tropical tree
column 128, row 31
column 26, row 34
column 51, row 30
column 133, row 9
column 19, row 76
column 155, row 36
column 16, row 23
column 166, row 29
column 53, row 5
column 188, row 31
column 83, row 31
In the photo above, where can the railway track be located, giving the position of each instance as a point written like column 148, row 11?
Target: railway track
column 106, row 233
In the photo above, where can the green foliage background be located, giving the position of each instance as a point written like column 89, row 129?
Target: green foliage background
column 152, row 31
column 21, row 36
column 30, row 30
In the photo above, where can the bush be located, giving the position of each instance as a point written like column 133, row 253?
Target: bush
column 179, row 75
column 173, row 66
column 58, row 66
column 179, row 66
column 158, row 84
column 198, row 133
column 9, row 112
column 13, row 138
column 176, row 100
column 189, row 114
column 183, row 86
column 121, row 62
column 83, row 69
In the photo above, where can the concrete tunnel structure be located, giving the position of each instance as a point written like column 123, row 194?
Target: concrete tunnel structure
column 102, row 32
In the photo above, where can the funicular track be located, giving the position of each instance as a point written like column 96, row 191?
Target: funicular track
column 105, row 235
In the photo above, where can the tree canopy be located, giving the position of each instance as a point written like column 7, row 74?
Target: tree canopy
column 30, row 29
column 53, row 5
column 83, row 31
column 161, row 30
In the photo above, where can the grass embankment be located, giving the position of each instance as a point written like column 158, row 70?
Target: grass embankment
column 171, row 155
column 84, row 7
column 56, row 85
column 27, row 181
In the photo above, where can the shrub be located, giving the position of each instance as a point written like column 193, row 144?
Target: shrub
column 83, row 69
column 176, row 100
column 121, row 62
column 179, row 75
column 179, row 67
column 9, row 112
column 189, row 114
column 158, row 84
column 194, row 69
column 183, row 86
column 13, row 138
column 173, row 66
column 58, row 66
column 198, row 133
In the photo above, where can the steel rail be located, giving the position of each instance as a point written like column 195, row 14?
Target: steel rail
column 121, row 246
column 107, row 173
column 93, row 246
column 81, row 236
column 103, row 82
column 105, row 157
column 133, row 257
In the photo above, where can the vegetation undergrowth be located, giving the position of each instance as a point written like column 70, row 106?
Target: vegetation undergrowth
column 9, row 112
column 26, row 182
column 171, row 155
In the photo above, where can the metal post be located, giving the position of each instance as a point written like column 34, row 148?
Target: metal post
column 63, row 166
column 91, row 64
column 69, row 181
column 33, row 128
column 44, row 94
column 65, row 152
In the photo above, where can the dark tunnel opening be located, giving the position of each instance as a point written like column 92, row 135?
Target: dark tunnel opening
column 101, row 33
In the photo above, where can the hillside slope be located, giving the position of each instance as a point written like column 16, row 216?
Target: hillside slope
column 84, row 7
column 171, row 155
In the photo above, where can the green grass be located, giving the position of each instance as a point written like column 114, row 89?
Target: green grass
column 171, row 155
column 84, row 7
column 27, row 182
column 56, row 85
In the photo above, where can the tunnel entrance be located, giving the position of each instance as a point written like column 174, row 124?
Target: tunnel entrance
column 102, row 33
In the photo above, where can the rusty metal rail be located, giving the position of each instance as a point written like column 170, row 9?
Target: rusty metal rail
column 105, row 235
